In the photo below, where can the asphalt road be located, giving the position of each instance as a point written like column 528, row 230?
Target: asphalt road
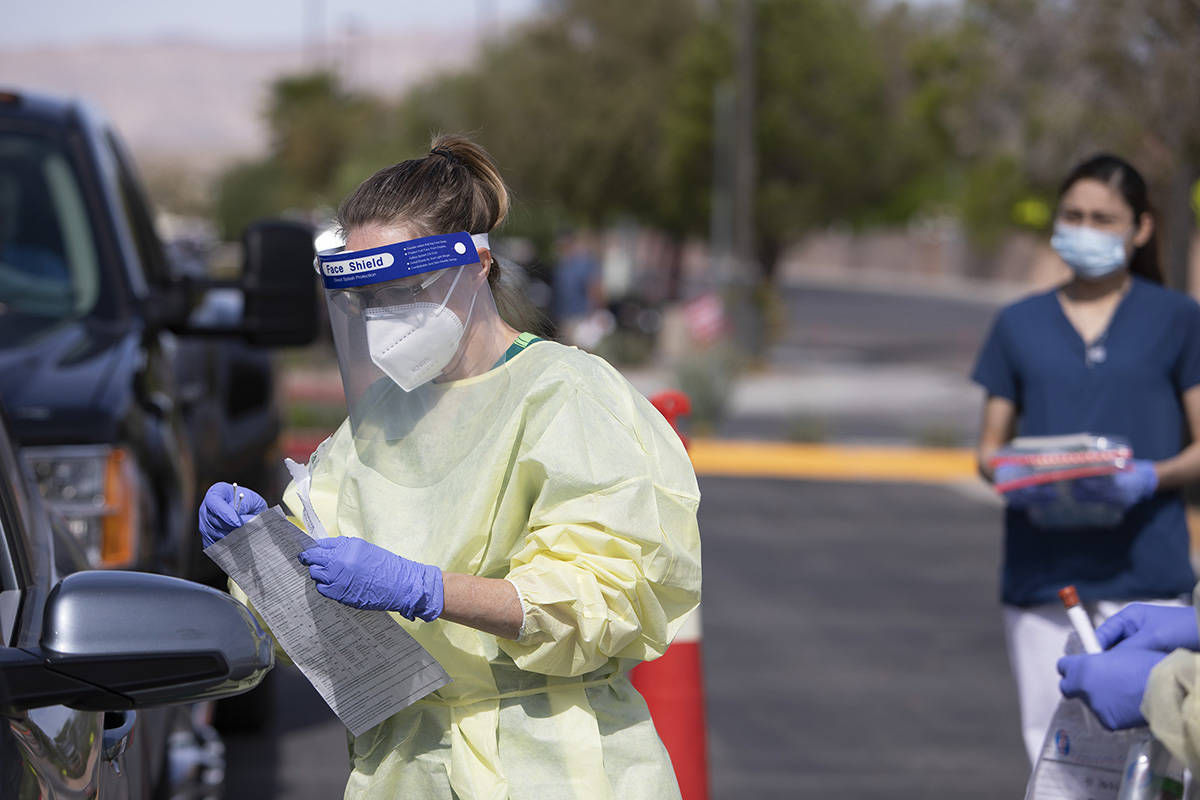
column 829, row 325
column 301, row 755
column 852, row 648
column 853, row 643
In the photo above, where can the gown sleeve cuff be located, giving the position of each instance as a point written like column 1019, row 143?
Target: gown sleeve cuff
column 524, row 610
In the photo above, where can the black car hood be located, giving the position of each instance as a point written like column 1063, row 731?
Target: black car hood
column 65, row 381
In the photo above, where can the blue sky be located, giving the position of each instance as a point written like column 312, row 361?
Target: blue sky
column 58, row 22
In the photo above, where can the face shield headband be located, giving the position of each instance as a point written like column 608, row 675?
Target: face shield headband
column 340, row 269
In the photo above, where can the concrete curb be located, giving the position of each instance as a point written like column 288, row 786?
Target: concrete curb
column 750, row 459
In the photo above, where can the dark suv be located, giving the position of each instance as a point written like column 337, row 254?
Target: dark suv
column 90, row 658
column 131, row 379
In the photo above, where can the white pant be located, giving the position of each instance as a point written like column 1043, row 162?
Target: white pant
column 1035, row 637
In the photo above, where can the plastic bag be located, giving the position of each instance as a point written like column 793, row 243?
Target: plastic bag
column 1057, row 463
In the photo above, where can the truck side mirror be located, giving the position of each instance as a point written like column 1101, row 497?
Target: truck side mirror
column 280, row 289
column 118, row 640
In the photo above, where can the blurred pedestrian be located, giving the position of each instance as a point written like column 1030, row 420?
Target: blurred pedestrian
column 578, row 291
column 1110, row 352
column 515, row 504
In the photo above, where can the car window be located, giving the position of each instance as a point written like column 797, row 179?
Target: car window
column 11, row 582
column 145, row 237
column 8, row 572
column 12, row 570
column 48, row 259
column 10, row 590
column 26, row 548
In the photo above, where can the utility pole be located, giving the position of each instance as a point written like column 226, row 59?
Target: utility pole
column 749, row 323
column 485, row 19
column 744, row 160
column 314, row 34
column 720, row 236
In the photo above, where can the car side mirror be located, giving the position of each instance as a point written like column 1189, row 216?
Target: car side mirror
column 118, row 640
column 280, row 288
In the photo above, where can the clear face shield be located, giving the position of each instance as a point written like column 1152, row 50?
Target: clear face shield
column 410, row 330
column 402, row 315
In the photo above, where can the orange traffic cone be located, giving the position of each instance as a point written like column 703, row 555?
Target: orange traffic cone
column 674, row 690
column 673, row 404
column 673, row 685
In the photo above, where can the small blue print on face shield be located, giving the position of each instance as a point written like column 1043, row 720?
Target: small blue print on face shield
column 342, row 270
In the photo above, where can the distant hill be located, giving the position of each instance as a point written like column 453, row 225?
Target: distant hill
column 199, row 105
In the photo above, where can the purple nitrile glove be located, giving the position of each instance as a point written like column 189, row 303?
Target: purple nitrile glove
column 1151, row 627
column 1039, row 494
column 360, row 574
column 1111, row 683
column 1126, row 488
column 227, row 508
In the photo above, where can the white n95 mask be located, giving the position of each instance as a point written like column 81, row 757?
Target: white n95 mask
column 412, row 343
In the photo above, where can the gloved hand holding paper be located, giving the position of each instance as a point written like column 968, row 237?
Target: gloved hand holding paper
column 363, row 663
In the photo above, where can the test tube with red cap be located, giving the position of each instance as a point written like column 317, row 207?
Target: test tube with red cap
column 1079, row 619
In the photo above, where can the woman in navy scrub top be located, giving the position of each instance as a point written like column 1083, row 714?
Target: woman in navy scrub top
column 1110, row 352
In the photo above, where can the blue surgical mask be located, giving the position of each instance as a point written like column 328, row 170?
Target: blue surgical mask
column 1087, row 251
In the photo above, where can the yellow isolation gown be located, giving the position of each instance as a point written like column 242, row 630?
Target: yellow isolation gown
column 553, row 472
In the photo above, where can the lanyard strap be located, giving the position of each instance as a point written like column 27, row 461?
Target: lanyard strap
column 515, row 349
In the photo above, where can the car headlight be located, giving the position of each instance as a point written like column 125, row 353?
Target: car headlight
column 92, row 491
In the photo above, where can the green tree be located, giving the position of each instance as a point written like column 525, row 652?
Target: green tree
column 249, row 191
column 837, row 137
column 573, row 105
column 314, row 125
column 603, row 110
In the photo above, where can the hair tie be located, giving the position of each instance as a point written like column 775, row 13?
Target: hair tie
column 445, row 153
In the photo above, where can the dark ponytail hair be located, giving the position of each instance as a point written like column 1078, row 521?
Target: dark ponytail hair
column 1121, row 176
column 456, row 187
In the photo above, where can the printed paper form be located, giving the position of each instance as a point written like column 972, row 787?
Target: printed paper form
column 363, row 664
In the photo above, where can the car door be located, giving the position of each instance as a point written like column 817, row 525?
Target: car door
column 51, row 752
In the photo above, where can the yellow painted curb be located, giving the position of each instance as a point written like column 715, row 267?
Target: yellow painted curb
column 831, row 462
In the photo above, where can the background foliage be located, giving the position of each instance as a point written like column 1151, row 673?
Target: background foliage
column 867, row 113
